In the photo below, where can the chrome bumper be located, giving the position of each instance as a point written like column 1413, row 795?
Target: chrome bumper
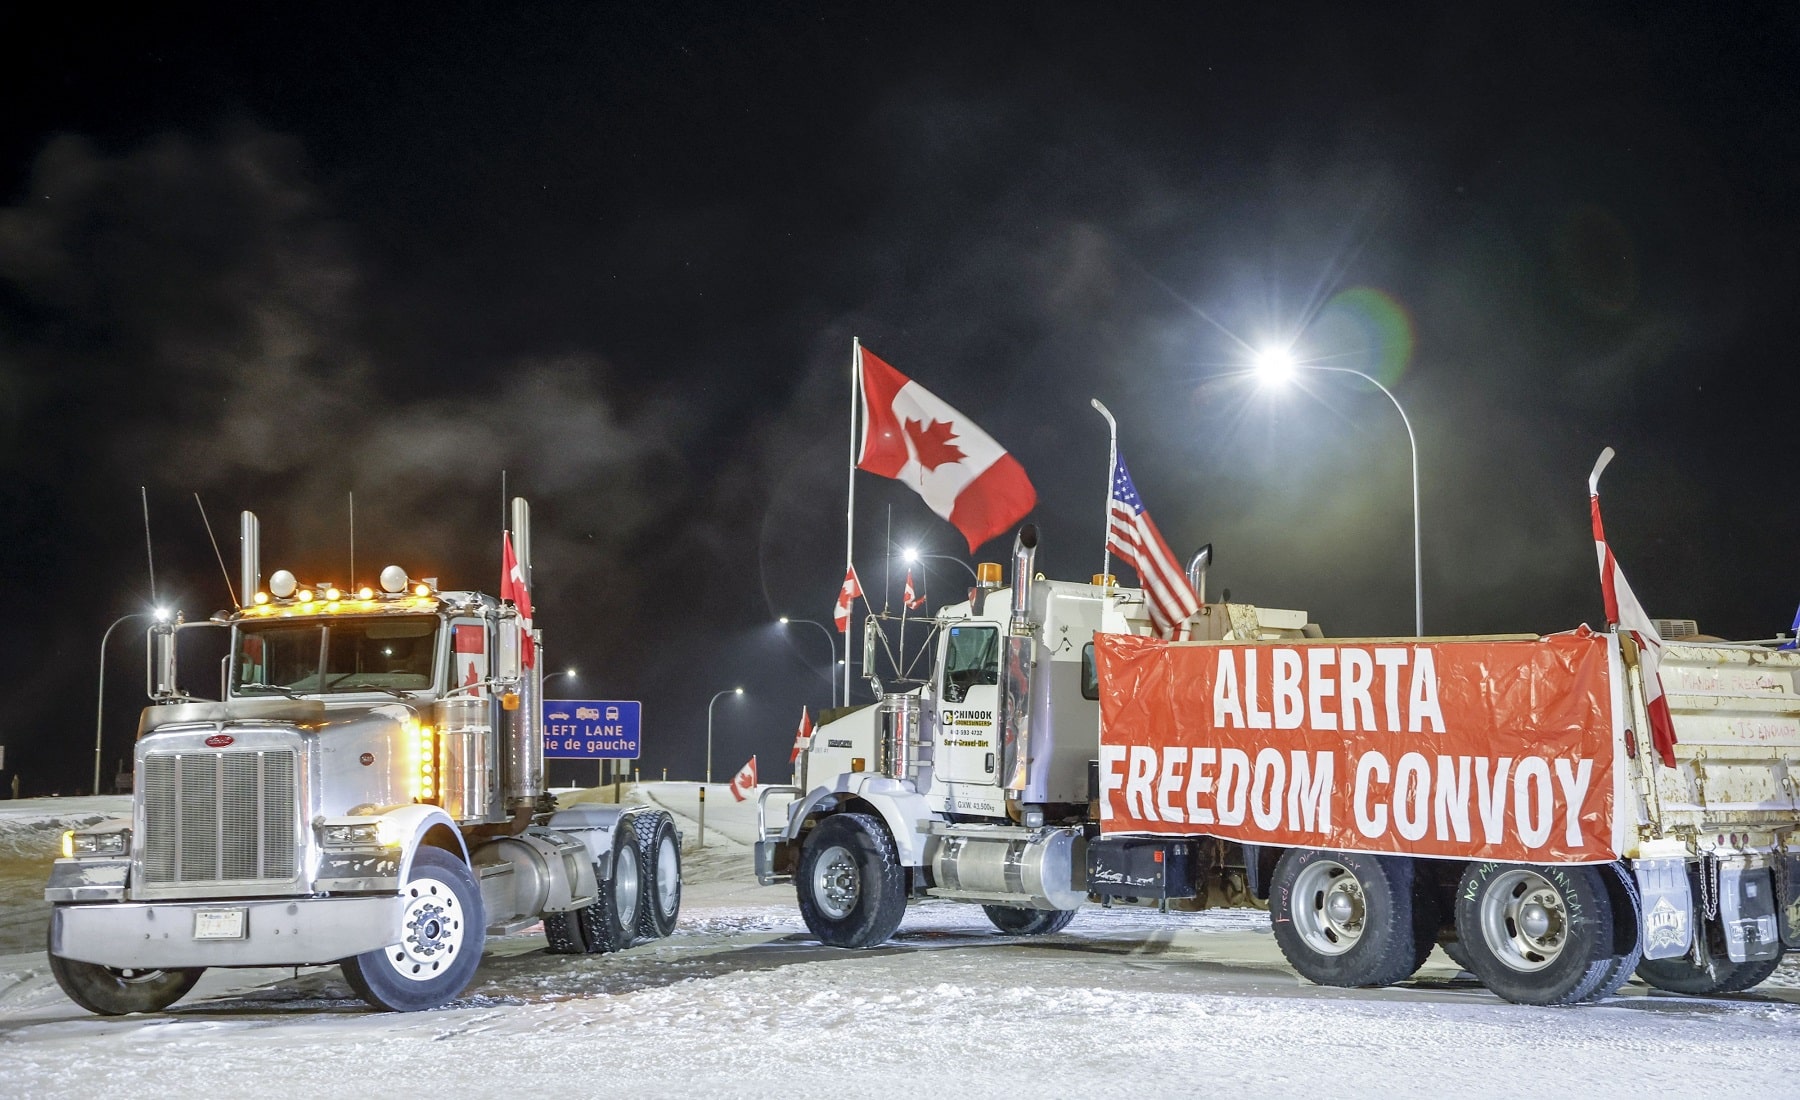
column 280, row 932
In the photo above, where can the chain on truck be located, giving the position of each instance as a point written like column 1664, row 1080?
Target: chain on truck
column 368, row 790
column 1378, row 797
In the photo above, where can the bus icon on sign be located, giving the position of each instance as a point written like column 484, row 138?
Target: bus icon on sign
column 612, row 714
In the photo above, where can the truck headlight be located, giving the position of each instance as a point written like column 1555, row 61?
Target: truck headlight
column 358, row 834
column 75, row 845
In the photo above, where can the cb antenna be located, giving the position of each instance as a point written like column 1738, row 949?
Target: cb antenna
column 149, row 552
column 215, row 545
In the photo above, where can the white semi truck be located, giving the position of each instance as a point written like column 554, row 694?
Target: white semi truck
column 368, row 790
column 1496, row 795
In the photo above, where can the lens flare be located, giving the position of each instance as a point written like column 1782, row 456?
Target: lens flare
column 1366, row 329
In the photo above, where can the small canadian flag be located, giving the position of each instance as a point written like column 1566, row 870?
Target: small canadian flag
column 802, row 736
column 912, row 599
column 850, row 591
column 744, row 781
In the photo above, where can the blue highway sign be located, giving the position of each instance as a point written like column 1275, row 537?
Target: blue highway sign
column 593, row 729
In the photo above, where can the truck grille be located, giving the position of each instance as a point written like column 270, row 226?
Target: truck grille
column 219, row 817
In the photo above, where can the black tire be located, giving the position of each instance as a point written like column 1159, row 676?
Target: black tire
column 1628, row 940
column 661, row 849
column 1458, row 955
column 119, row 991
column 610, row 923
column 1537, row 934
column 443, row 929
column 851, row 886
column 1345, row 918
column 1015, row 921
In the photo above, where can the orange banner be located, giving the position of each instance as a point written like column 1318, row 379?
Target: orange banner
column 1472, row 750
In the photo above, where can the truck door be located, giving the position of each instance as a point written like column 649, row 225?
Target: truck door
column 968, row 701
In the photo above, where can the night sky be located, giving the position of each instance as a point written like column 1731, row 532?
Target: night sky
column 278, row 255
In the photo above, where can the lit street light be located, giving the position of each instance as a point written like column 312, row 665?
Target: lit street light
column 831, row 671
column 159, row 615
column 1277, row 365
column 570, row 673
column 709, row 724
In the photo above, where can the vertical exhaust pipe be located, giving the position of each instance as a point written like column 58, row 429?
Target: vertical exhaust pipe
column 1024, row 568
column 1196, row 571
column 525, row 741
column 1016, row 663
column 249, row 557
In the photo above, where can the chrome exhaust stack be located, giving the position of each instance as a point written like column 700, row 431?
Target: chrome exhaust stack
column 524, row 785
column 1196, row 571
column 1017, row 657
column 250, row 558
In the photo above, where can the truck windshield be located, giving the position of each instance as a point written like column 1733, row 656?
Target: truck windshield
column 971, row 658
column 391, row 654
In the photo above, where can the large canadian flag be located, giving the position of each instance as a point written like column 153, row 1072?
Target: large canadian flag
column 1624, row 611
column 743, row 784
column 911, row 435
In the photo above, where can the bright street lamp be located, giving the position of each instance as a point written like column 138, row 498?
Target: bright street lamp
column 1277, row 365
column 709, row 720
column 830, row 672
column 160, row 615
column 570, row 673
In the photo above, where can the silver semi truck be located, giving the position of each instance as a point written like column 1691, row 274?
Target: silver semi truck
column 368, row 790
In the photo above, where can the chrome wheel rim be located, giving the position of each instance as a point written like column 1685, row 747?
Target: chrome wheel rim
column 431, row 930
column 1329, row 909
column 668, row 875
column 835, row 884
column 625, row 887
column 1524, row 919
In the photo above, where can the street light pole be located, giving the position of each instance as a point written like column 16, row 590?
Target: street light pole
column 709, row 726
column 831, row 643
column 1273, row 364
column 911, row 555
column 100, row 701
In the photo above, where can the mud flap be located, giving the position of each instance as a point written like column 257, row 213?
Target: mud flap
column 1668, row 906
column 1788, row 900
column 1747, row 912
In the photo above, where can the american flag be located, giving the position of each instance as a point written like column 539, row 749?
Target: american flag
column 1131, row 535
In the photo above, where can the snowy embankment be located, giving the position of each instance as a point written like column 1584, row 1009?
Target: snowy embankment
column 742, row 1002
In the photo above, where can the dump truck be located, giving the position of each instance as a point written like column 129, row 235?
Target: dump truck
column 1377, row 796
column 368, row 790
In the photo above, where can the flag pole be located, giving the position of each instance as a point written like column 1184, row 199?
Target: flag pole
column 1112, row 465
column 850, row 499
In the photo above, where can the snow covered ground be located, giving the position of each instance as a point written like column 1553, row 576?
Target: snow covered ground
column 742, row 1002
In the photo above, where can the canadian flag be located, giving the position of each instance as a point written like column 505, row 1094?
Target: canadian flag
column 911, row 435
column 1623, row 610
column 514, row 588
column 911, row 599
column 802, row 736
column 851, row 590
column 744, row 782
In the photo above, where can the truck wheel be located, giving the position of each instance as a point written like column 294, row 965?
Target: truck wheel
column 117, row 991
column 851, row 885
column 1628, row 942
column 442, row 930
column 1536, row 935
column 662, row 875
column 1015, row 921
column 1345, row 918
column 609, row 923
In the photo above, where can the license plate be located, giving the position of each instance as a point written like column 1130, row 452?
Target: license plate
column 218, row 924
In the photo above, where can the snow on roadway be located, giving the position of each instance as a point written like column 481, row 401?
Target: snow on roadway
column 742, row 1002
